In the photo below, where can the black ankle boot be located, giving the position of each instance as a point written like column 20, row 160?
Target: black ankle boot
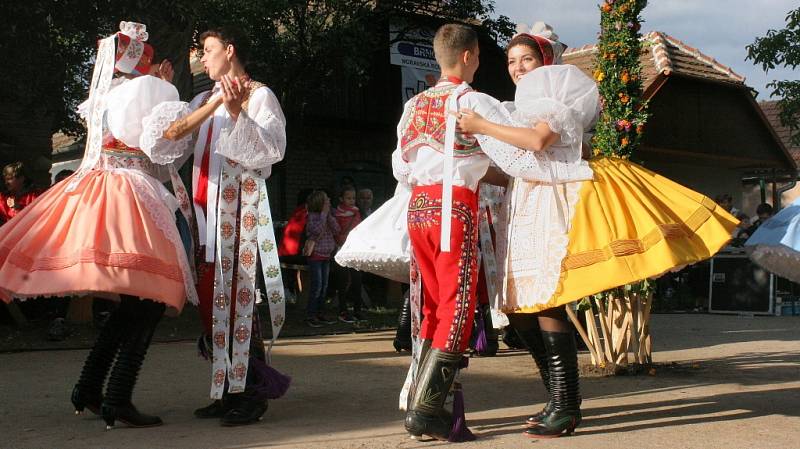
column 402, row 339
column 243, row 410
column 117, row 404
column 216, row 409
column 565, row 416
column 88, row 392
column 249, row 406
column 426, row 416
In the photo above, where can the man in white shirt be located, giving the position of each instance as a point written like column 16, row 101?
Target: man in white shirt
column 240, row 135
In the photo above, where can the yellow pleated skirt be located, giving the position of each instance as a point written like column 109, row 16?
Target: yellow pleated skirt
column 632, row 224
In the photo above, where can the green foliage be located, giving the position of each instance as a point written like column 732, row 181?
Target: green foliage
column 781, row 48
column 301, row 48
column 618, row 74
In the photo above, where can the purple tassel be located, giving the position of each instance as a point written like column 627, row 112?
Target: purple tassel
column 270, row 383
column 460, row 432
column 202, row 348
column 480, row 339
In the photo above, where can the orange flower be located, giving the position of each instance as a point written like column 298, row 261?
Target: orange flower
column 606, row 7
column 639, row 128
column 624, row 98
column 624, row 142
column 624, row 77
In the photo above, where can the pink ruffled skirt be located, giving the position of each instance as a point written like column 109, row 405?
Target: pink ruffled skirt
column 112, row 234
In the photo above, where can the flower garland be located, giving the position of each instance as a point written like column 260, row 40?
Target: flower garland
column 617, row 71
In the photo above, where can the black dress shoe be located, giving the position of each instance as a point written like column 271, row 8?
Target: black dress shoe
column 246, row 411
column 216, row 409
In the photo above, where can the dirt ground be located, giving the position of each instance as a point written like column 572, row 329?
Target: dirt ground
column 734, row 383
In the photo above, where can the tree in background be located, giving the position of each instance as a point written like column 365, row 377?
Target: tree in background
column 623, row 313
column 782, row 48
column 298, row 45
column 619, row 79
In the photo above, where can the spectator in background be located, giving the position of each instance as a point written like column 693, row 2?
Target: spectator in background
column 374, row 285
column 763, row 212
column 348, row 280
column 62, row 175
column 291, row 242
column 726, row 201
column 321, row 228
column 19, row 191
column 365, row 202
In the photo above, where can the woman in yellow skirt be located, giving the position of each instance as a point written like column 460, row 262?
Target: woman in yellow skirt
column 584, row 228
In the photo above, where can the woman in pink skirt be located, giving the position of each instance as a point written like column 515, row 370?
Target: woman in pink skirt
column 109, row 229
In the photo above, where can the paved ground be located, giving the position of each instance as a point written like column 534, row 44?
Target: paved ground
column 736, row 384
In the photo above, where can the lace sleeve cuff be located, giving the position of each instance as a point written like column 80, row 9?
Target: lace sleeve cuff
column 152, row 141
column 559, row 118
column 252, row 145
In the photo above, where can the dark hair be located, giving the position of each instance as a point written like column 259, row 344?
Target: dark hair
column 230, row 36
column 302, row 196
column 451, row 40
column 15, row 169
column 62, row 175
column 528, row 41
column 764, row 208
column 346, row 188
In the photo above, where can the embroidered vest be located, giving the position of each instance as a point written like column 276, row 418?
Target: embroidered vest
column 426, row 125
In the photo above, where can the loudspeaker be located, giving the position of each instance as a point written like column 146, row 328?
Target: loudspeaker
column 737, row 285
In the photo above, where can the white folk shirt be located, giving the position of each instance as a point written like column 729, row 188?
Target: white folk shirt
column 425, row 165
column 256, row 141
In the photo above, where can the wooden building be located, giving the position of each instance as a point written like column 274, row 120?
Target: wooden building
column 706, row 129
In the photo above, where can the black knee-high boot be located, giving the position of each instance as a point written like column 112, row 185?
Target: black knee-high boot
column 402, row 339
column 427, row 415
column 88, row 392
column 527, row 328
column 117, row 404
column 562, row 358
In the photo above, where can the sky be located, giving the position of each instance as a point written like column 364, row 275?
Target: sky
column 718, row 28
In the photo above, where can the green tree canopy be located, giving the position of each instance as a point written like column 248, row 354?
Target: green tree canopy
column 781, row 48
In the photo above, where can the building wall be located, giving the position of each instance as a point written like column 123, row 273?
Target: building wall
column 710, row 181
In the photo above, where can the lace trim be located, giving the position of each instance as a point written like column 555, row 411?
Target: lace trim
column 165, row 221
column 558, row 117
column 252, row 145
column 566, row 162
column 540, row 265
column 779, row 259
column 387, row 266
column 110, row 161
column 152, row 142
column 135, row 262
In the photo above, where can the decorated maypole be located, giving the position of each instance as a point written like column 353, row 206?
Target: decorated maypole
column 617, row 321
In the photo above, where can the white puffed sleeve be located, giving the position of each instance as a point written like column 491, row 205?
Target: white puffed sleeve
column 152, row 141
column 400, row 168
column 129, row 103
column 556, row 164
column 563, row 97
column 258, row 137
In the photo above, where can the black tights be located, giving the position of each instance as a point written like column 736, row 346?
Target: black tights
column 550, row 320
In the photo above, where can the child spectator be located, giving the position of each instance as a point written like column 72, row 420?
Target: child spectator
column 348, row 280
column 321, row 229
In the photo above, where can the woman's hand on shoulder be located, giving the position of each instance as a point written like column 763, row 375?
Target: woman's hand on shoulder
column 470, row 121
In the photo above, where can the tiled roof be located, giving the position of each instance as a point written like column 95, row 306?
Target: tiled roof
column 771, row 112
column 663, row 54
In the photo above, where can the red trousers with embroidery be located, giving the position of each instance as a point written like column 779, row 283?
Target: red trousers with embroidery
column 448, row 278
